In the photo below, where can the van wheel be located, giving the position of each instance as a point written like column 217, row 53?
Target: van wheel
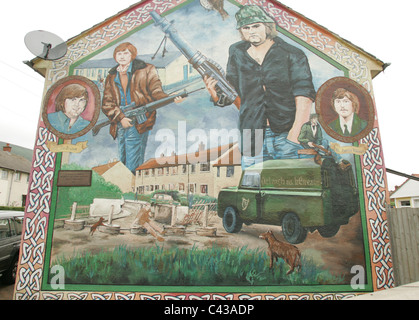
column 328, row 231
column 231, row 220
column 292, row 229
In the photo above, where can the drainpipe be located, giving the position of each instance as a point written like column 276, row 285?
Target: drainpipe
column 10, row 188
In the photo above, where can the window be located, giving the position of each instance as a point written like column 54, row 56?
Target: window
column 184, row 169
column 17, row 176
column 18, row 225
column 4, row 174
column 193, row 168
column 230, row 171
column 192, row 188
column 405, row 203
column 205, row 167
column 218, row 172
column 5, row 231
column 251, row 180
column 204, row 188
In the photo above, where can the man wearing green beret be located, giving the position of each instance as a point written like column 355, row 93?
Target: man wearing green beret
column 274, row 83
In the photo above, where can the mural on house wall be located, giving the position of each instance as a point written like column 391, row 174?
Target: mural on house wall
column 218, row 158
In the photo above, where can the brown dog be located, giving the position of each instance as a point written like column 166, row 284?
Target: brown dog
column 278, row 249
column 96, row 225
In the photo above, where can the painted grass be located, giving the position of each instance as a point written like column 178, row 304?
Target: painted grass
column 158, row 266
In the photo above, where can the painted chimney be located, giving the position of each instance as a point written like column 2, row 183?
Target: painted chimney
column 7, row 148
column 201, row 147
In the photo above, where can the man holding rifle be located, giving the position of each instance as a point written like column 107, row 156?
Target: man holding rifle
column 132, row 82
column 274, row 83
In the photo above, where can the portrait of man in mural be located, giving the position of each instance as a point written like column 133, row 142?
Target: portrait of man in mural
column 131, row 82
column 274, row 83
column 345, row 108
column 346, row 105
column 71, row 107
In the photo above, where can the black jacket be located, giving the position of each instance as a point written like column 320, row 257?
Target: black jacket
column 285, row 73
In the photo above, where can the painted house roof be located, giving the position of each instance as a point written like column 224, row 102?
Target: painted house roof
column 410, row 188
column 208, row 155
column 230, row 158
column 102, row 169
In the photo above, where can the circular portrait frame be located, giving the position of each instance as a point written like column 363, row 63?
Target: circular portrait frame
column 53, row 118
column 363, row 119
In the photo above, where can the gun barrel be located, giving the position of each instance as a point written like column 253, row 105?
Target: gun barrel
column 131, row 111
column 205, row 67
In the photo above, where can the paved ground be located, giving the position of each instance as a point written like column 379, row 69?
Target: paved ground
column 405, row 292
column 6, row 292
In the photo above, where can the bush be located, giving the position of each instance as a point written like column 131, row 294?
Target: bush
column 12, row 208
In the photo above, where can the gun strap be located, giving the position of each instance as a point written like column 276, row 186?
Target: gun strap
column 164, row 41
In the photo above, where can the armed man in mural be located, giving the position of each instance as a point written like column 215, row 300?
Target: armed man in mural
column 131, row 82
column 274, row 83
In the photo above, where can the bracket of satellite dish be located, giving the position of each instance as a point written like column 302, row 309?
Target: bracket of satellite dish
column 45, row 45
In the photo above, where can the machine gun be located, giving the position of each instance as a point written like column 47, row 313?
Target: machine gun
column 205, row 67
column 139, row 112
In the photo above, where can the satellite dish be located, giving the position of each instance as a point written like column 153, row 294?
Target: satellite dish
column 45, row 45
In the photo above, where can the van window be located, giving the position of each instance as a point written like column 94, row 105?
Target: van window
column 19, row 225
column 4, row 229
column 251, row 180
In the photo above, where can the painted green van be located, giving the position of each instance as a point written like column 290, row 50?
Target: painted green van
column 301, row 195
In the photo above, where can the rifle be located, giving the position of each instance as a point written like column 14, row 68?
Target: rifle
column 205, row 67
column 320, row 148
column 139, row 112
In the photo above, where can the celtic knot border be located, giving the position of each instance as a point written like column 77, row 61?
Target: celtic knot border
column 375, row 192
column 28, row 282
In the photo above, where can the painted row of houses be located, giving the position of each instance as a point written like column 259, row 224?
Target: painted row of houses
column 204, row 172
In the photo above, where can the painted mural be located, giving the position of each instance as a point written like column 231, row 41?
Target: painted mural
column 209, row 151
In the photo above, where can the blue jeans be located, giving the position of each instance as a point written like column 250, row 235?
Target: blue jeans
column 131, row 147
column 275, row 146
